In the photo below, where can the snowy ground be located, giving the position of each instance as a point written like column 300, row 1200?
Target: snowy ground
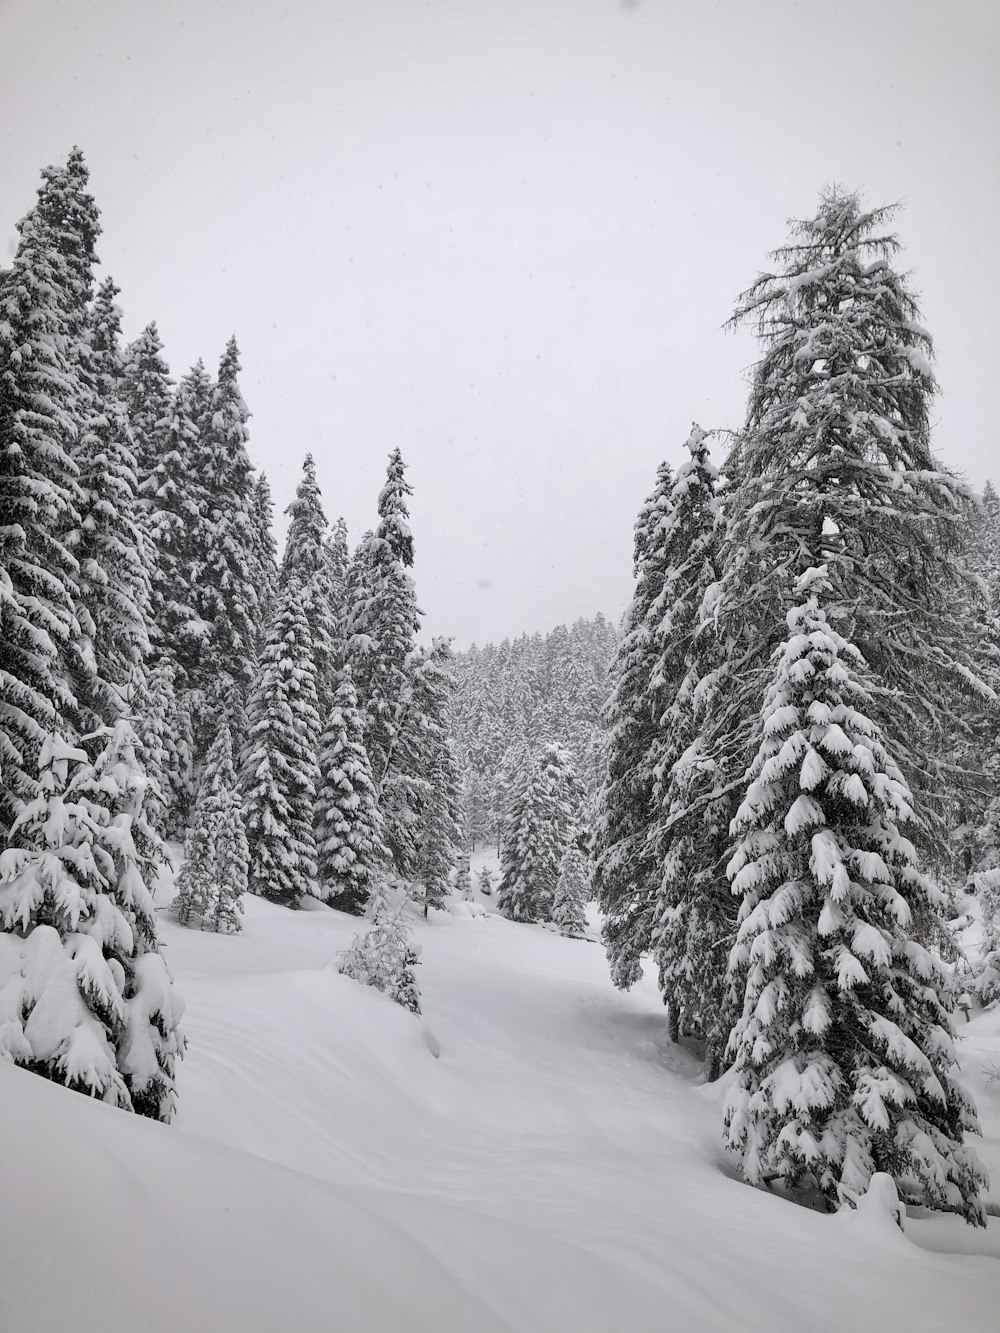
column 556, row 1167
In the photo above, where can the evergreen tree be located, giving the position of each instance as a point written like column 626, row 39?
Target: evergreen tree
column 147, row 393
column 350, row 848
column 486, row 882
column 225, row 596
column 463, row 878
column 689, row 823
column 264, row 550
column 834, row 466
column 88, row 999
column 308, row 559
column 214, row 877
column 532, row 849
column 384, row 955
column 384, row 620
column 572, row 892
column 439, row 828
column 162, row 762
column 421, row 795
column 173, row 503
column 39, row 406
column 625, row 874
column 844, row 1051
column 113, row 581
column 279, row 768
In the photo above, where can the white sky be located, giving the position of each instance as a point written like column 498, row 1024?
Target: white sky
column 505, row 234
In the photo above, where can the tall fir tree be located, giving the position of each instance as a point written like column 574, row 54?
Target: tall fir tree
column 225, row 595
column 279, row 769
column 40, row 300
column 533, row 848
column 350, row 847
column 835, row 466
column 165, row 730
column 384, row 619
column 113, row 590
column 148, row 391
column 625, row 875
column 844, row 1052
column 689, row 827
column 439, row 827
column 307, row 558
column 214, row 876
column 264, row 551
column 173, row 503
column 572, row 891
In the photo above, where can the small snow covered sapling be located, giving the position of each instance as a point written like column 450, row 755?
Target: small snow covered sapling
column 485, row 882
column 463, row 879
column 384, row 955
column 572, row 891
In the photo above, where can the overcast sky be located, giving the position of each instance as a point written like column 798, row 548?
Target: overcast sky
column 505, row 234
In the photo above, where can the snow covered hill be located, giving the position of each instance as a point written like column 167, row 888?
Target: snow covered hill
column 531, row 1156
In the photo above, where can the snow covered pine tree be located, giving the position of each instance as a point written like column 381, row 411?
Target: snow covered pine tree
column 214, row 877
column 844, row 1053
column 349, row 835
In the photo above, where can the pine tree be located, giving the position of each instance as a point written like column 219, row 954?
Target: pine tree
column 689, row 823
column 532, row 850
column 88, row 997
column 350, row 849
column 463, row 878
column 308, row 559
column 834, row 465
column 148, row 392
column 112, row 591
column 384, row 619
column 39, row 408
column 384, row 955
column 214, row 877
column 264, row 550
column 844, row 1052
column 225, row 596
column 486, row 882
column 173, row 503
column 572, row 892
column 279, row 769
column 421, row 795
column 162, row 762
column 440, row 834
column 625, row 875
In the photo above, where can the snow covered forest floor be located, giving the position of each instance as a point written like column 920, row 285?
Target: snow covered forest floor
column 532, row 1154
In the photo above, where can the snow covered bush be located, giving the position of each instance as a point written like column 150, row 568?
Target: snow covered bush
column 384, row 956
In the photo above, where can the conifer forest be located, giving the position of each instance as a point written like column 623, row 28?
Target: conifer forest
column 639, row 973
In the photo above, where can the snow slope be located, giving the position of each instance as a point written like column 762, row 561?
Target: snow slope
column 556, row 1168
